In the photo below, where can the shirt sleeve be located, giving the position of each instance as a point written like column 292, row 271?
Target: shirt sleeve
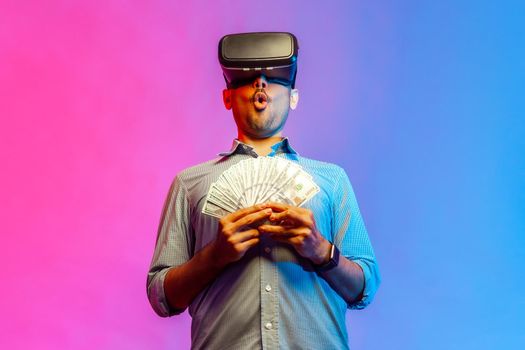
column 352, row 238
column 173, row 246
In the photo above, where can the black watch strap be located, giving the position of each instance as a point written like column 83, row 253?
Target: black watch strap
column 333, row 262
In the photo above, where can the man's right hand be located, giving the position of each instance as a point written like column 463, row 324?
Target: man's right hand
column 184, row 282
column 238, row 233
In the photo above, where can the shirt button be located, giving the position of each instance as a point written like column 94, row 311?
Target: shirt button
column 268, row 250
column 268, row 288
column 268, row 326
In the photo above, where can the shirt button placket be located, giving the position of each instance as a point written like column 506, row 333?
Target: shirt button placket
column 269, row 301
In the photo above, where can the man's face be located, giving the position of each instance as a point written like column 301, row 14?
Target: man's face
column 260, row 108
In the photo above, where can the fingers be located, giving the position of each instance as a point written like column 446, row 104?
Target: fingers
column 242, row 212
column 245, row 236
column 272, row 229
column 278, row 217
column 248, row 244
column 276, row 206
column 251, row 218
column 232, row 247
column 291, row 215
column 295, row 240
column 282, row 231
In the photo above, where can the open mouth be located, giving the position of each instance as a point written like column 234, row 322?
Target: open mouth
column 260, row 100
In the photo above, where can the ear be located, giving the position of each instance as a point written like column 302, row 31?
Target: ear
column 294, row 98
column 227, row 98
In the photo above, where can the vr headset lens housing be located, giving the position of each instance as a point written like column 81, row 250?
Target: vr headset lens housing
column 243, row 57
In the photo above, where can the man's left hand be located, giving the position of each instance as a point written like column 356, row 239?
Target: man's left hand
column 296, row 226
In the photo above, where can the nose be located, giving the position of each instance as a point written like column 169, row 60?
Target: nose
column 260, row 82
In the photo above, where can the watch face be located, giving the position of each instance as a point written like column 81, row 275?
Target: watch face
column 335, row 256
column 333, row 262
column 332, row 251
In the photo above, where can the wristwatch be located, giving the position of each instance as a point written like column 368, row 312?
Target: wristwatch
column 333, row 262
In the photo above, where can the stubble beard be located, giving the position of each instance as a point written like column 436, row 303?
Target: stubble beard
column 262, row 126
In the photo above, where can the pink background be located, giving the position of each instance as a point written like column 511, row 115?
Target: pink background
column 103, row 102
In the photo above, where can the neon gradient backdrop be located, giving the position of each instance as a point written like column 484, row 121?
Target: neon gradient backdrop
column 103, row 102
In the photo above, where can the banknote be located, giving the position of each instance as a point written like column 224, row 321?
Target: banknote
column 258, row 180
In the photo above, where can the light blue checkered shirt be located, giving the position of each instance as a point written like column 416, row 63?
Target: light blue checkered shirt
column 271, row 298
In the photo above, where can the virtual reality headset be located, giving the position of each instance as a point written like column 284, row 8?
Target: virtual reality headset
column 245, row 56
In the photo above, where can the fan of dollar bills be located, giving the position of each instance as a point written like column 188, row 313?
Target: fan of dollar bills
column 258, row 180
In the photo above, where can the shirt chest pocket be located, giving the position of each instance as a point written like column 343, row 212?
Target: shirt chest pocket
column 204, row 226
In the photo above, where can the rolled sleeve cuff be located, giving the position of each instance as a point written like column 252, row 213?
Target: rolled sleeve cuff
column 157, row 297
column 372, row 280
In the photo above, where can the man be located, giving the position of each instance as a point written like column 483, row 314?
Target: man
column 272, row 275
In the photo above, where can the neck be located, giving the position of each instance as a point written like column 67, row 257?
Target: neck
column 263, row 146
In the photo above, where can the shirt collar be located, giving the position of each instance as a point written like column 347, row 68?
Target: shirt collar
column 282, row 146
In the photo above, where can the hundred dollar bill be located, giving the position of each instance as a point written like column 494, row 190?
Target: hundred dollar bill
column 214, row 210
column 258, row 180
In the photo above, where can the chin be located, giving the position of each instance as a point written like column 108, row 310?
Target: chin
column 261, row 124
column 265, row 132
column 259, row 134
column 258, row 131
